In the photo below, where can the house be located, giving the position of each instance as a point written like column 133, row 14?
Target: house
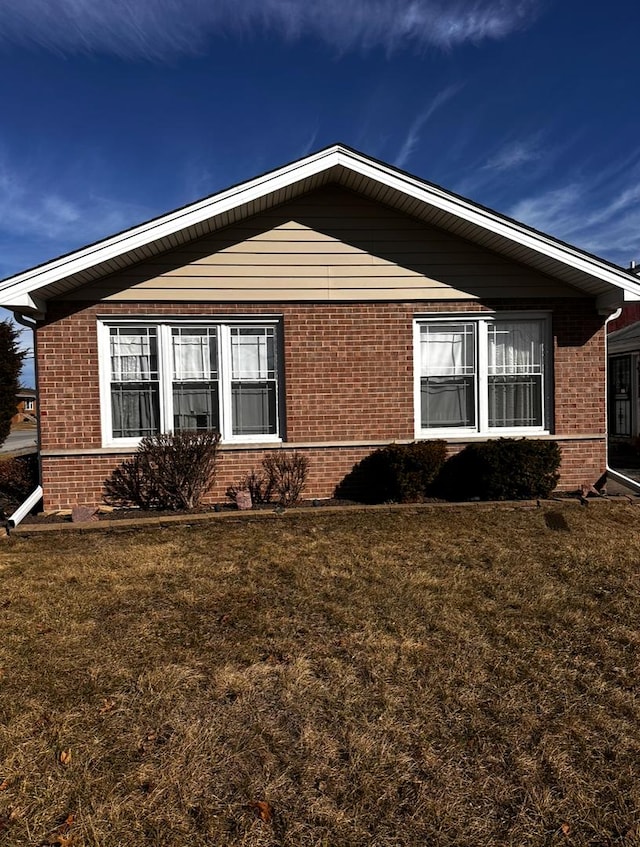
column 332, row 306
column 26, row 406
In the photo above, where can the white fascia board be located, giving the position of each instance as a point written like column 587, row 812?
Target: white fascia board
column 259, row 187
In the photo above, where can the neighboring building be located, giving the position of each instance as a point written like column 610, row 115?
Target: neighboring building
column 624, row 375
column 331, row 306
column 26, row 406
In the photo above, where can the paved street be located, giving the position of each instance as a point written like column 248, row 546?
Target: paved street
column 19, row 439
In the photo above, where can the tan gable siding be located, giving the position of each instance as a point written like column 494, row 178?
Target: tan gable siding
column 331, row 245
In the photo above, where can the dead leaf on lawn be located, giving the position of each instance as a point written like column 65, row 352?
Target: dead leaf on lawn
column 566, row 829
column 7, row 819
column 60, row 836
column 58, row 841
column 107, row 706
column 64, row 757
column 4, row 785
column 263, row 810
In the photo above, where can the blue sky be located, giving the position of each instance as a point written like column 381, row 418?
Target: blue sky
column 114, row 111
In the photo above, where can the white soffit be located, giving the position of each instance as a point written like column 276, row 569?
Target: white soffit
column 339, row 165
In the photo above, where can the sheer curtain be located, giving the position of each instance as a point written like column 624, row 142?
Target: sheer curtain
column 195, row 378
column 515, row 354
column 447, row 383
column 253, row 380
column 134, row 382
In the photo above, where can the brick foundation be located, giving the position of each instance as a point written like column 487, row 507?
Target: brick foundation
column 79, row 479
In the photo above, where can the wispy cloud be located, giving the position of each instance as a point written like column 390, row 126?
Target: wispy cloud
column 514, row 155
column 36, row 221
column 600, row 213
column 158, row 29
column 515, row 166
column 413, row 136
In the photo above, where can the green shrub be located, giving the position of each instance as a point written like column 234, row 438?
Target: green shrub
column 400, row 473
column 504, row 469
column 167, row 472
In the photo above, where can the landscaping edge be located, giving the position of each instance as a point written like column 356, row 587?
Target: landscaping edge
column 25, row 530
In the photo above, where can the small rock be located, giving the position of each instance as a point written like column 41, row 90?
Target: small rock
column 243, row 500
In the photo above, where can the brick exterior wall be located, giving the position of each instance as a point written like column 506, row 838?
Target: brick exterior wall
column 348, row 376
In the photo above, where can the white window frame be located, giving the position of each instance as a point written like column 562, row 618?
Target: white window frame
column 481, row 322
column 165, row 369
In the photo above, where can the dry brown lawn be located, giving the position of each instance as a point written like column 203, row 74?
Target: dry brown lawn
column 463, row 676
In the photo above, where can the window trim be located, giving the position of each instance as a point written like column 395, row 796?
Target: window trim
column 164, row 326
column 482, row 321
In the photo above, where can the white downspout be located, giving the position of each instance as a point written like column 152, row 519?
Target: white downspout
column 23, row 510
column 611, row 473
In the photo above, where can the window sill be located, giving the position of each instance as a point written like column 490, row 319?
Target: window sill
column 459, row 435
column 129, row 445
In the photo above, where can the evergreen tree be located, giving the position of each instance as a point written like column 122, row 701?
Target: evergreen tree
column 10, row 366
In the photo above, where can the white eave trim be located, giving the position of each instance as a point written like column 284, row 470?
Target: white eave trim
column 318, row 163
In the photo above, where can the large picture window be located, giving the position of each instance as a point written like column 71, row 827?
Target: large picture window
column 481, row 375
column 167, row 377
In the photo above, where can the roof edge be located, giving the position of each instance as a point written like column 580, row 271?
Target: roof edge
column 19, row 288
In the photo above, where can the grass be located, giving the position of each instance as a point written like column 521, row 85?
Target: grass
column 463, row 676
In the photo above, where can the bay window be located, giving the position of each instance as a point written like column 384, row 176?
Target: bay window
column 166, row 377
column 481, row 375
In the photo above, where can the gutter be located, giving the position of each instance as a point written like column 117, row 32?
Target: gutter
column 616, row 476
column 23, row 510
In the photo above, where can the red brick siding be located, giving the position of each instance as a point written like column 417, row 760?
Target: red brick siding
column 69, row 480
column 348, row 377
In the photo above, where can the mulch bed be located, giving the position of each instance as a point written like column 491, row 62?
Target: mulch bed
column 64, row 515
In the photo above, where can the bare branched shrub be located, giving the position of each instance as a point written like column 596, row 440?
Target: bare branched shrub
column 168, row 472
column 283, row 479
column 287, row 474
column 260, row 487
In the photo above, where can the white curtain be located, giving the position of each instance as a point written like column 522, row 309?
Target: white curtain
column 515, row 348
column 134, row 407
column 192, row 359
column 133, row 357
column 447, row 349
column 448, row 375
column 253, row 374
column 515, row 373
column 252, row 354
